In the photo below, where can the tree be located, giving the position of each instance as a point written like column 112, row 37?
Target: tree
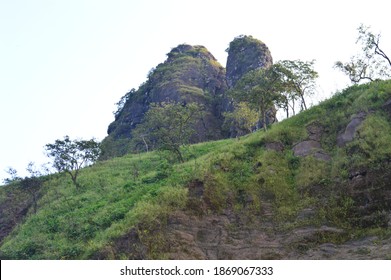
column 33, row 183
column 70, row 156
column 260, row 89
column 287, row 102
column 14, row 176
column 298, row 81
column 168, row 126
column 242, row 120
column 371, row 64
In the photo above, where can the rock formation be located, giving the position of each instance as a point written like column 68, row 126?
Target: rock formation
column 311, row 146
column 349, row 133
column 246, row 53
column 190, row 74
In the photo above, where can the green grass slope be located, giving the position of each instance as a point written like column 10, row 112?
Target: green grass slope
column 125, row 206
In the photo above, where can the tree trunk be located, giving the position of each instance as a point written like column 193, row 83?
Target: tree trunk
column 179, row 154
column 264, row 118
column 287, row 109
column 74, row 178
column 303, row 101
column 293, row 107
column 145, row 143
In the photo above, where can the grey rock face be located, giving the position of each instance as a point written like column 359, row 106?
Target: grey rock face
column 312, row 146
column 348, row 134
column 275, row 146
column 306, row 148
column 246, row 53
column 190, row 74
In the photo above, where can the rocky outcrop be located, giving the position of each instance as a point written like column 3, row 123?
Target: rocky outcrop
column 275, row 146
column 349, row 133
column 201, row 233
column 306, row 148
column 190, row 74
column 311, row 146
column 218, row 237
column 246, row 53
column 371, row 193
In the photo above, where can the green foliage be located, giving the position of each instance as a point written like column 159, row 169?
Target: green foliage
column 373, row 63
column 275, row 178
column 243, row 119
column 372, row 144
column 375, row 137
column 168, row 126
column 260, row 89
column 311, row 172
column 287, row 134
column 71, row 155
column 299, row 81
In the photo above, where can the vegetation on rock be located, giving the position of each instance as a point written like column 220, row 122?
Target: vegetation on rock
column 260, row 89
column 191, row 75
column 245, row 54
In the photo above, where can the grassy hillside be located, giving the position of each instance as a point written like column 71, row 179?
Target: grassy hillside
column 126, row 206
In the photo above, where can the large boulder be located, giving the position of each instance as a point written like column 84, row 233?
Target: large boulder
column 349, row 133
column 312, row 146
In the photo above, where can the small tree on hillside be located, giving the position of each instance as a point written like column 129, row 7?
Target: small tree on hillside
column 71, row 155
column 33, row 183
column 168, row 126
column 13, row 176
column 371, row 64
column 260, row 89
column 298, row 82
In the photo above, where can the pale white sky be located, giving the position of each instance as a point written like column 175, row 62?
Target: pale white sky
column 63, row 64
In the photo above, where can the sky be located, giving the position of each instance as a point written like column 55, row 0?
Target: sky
column 64, row 64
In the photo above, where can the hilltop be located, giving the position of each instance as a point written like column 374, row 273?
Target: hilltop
column 314, row 186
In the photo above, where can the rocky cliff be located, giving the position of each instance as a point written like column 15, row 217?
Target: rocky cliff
column 190, row 74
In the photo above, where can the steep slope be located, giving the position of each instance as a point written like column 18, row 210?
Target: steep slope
column 315, row 186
